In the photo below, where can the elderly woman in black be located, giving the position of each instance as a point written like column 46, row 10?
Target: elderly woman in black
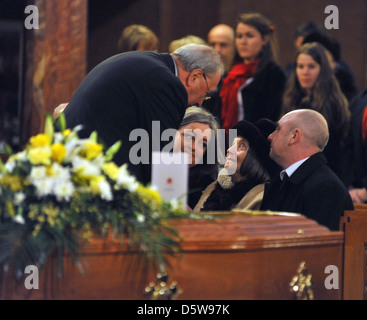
column 240, row 184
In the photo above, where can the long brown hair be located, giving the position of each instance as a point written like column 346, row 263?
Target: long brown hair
column 326, row 96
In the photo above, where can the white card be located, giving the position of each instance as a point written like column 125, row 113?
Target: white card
column 170, row 175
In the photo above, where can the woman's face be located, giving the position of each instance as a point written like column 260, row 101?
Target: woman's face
column 249, row 41
column 193, row 140
column 236, row 154
column 307, row 70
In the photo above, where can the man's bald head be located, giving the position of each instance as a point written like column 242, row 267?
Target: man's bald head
column 313, row 125
column 221, row 38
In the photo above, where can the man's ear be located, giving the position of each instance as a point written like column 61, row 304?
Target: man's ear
column 295, row 136
column 194, row 77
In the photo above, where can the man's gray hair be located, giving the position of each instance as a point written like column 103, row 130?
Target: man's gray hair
column 198, row 56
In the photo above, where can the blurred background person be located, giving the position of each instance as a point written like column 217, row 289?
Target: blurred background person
column 301, row 32
column 221, row 38
column 137, row 37
column 341, row 69
column 254, row 86
column 358, row 185
column 175, row 44
column 313, row 85
column 312, row 32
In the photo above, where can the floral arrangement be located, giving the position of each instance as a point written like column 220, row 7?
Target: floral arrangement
column 60, row 190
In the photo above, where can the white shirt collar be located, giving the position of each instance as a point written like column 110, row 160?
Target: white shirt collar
column 292, row 168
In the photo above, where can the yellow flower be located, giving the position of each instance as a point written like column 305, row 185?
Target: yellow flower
column 150, row 196
column 37, row 228
column 10, row 208
column 51, row 212
column 91, row 150
column 40, row 140
column 94, row 184
column 66, row 132
column 58, row 152
column 41, row 155
column 111, row 170
column 12, row 182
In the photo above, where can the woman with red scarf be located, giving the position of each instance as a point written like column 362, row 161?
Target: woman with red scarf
column 254, row 86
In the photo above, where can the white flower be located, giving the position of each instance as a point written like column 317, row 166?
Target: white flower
column 85, row 168
column 176, row 204
column 19, row 219
column 105, row 189
column 140, row 218
column 60, row 173
column 37, row 173
column 10, row 165
column 19, row 198
column 64, row 191
column 126, row 180
column 44, row 187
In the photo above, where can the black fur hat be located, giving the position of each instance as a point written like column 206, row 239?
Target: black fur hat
column 256, row 134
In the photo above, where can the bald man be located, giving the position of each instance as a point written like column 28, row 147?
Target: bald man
column 221, row 38
column 306, row 185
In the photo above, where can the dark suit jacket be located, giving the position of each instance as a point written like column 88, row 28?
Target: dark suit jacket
column 262, row 98
column 126, row 92
column 313, row 190
column 357, row 109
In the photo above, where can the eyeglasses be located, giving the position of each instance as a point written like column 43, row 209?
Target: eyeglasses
column 208, row 95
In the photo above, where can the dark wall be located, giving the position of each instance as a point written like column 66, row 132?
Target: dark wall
column 172, row 19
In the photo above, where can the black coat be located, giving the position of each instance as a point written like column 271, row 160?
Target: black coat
column 359, row 165
column 126, row 92
column 313, row 190
column 262, row 98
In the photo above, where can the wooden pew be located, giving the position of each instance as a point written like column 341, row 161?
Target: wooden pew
column 354, row 226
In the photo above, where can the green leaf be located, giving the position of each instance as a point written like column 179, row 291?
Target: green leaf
column 61, row 122
column 93, row 136
column 2, row 166
column 49, row 127
column 112, row 150
column 8, row 150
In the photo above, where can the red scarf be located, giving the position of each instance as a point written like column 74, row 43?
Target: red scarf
column 364, row 125
column 238, row 76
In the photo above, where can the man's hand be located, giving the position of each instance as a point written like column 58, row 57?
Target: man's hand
column 58, row 109
column 358, row 195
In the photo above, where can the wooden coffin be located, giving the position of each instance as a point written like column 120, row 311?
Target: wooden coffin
column 238, row 257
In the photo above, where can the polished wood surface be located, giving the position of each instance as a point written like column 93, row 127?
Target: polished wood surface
column 354, row 225
column 238, row 257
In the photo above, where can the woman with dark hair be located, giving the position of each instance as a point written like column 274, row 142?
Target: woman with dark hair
column 254, row 86
column 240, row 184
column 197, row 135
column 313, row 85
